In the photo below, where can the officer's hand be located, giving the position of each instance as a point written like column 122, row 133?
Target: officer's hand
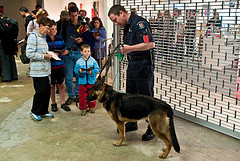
column 126, row 49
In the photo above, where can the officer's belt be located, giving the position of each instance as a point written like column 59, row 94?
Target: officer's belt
column 138, row 57
column 73, row 49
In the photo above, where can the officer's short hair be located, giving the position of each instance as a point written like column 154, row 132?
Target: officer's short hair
column 23, row 9
column 73, row 9
column 115, row 9
column 84, row 46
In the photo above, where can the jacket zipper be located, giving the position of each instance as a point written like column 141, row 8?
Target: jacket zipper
column 86, row 71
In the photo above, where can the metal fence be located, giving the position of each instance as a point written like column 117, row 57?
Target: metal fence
column 196, row 59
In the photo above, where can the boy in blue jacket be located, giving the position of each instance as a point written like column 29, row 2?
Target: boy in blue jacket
column 87, row 68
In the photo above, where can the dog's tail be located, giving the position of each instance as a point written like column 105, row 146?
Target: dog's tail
column 173, row 134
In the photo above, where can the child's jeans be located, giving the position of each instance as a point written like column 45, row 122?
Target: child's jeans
column 82, row 100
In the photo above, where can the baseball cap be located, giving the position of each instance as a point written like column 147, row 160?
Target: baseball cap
column 64, row 14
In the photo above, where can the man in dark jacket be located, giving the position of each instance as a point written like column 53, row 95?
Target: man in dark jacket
column 8, row 48
column 64, row 17
column 73, row 42
column 25, row 14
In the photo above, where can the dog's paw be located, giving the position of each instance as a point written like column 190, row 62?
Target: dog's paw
column 117, row 143
column 163, row 155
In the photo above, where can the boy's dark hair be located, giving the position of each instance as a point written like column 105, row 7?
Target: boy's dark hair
column 23, row 9
column 73, row 9
column 53, row 23
column 84, row 46
column 115, row 9
column 45, row 22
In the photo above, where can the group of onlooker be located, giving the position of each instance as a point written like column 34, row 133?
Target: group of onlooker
column 60, row 52
column 8, row 43
column 176, row 33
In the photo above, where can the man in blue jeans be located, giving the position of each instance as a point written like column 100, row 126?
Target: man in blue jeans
column 73, row 42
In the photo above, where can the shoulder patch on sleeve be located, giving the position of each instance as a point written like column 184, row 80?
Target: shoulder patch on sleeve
column 141, row 24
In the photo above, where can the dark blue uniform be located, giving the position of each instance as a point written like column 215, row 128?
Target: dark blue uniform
column 140, row 72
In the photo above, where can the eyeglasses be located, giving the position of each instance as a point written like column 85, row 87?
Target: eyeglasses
column 51, row 29
column 47, row 27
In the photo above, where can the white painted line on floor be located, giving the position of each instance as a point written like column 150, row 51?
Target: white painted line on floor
column 5, row 99
column 12, row 86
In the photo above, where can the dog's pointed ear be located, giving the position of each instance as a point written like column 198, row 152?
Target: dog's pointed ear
column 99, row 77
column 108, row 89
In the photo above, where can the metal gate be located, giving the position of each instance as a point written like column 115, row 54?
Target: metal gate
column 196, row 59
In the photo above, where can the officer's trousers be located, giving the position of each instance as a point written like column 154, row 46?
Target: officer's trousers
column 140, row 77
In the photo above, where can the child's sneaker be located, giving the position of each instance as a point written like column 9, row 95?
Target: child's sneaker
column 35, row 117
column 83, row 112
column 50, row 115
column 65, row 107
column 92, row 110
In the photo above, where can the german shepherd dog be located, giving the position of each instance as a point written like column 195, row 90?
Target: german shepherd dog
column 124, row 107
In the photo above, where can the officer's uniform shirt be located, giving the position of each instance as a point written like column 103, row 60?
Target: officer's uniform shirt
column 136, row 31
column 140, row 73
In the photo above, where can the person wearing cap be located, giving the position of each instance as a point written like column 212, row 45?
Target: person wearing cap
column 64, row 16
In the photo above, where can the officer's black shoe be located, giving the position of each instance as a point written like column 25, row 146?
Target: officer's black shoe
column 148, row 135
column 130, row 126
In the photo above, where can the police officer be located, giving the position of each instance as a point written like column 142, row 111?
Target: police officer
column 138, row 45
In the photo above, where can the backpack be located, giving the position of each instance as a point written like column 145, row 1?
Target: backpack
column 8, row 28
column 23, row 57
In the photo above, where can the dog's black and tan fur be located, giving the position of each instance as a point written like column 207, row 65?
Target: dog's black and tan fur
column 124, row 107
